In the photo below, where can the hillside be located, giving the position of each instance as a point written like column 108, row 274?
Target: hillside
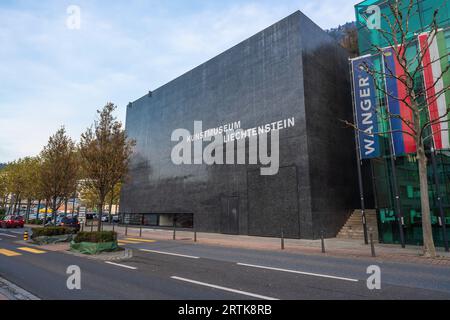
column 347, row 36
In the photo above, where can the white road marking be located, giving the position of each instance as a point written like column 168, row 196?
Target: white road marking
column 170, row 254
column 120, row 265
column 258, row 296
column 299, row 272
column 8, row 235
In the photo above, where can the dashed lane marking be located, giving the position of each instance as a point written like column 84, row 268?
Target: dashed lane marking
column 31, row 250
column 120, row 265
column 9, row 253
column 298, row 272
column 170, row 253
column 254, row 295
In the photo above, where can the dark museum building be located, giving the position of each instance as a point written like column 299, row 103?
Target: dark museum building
column 291, row 70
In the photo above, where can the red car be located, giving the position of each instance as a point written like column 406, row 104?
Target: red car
column 12, row 222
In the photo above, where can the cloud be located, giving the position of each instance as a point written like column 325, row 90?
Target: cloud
column 53, row 76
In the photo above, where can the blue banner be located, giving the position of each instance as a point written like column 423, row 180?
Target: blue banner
column 365, row 107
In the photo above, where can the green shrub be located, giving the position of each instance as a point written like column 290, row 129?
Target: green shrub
column 96, row 237
column 35, row 221
column 51, row 231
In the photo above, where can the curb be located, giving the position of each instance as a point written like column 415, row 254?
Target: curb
column 13, row 292
column 108, row 256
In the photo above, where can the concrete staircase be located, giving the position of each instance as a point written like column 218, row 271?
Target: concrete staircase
column 353, row 228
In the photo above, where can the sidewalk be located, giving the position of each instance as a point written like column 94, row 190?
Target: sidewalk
column 9, row 291
column 334, row 247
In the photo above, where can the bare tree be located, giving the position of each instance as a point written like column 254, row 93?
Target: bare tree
column 59, row 170
column 105, row 153
column 418, row 95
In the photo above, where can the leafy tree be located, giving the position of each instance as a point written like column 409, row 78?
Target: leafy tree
column 59, row 170
column 105, row 154
column 32, row 187
column 16, row 182
column 113, row 198
column 3, row 187
column 4, row 193
column 88, row 197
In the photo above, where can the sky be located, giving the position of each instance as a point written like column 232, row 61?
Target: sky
column 53, row 73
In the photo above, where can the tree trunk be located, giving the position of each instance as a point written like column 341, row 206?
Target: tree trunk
column 429, row 249
column 28, row 211
column 110, row 209
column 54, row 209
column 46, row 210
column 11, row 203
column 65, row 207
column 100, row 214
column 15, row 205
column 19, row 207
column 37, row 211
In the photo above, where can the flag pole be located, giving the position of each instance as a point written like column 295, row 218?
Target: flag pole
column 397, row 195
column 359, row 162
column 439, row 198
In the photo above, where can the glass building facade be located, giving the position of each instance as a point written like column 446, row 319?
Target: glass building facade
column 406, row 166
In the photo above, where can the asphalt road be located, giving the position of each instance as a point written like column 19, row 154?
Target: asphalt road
column 182, row 270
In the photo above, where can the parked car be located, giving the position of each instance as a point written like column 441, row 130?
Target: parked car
column 70, row 223
column 90, row 216
column 116, row 219
column 12, row 222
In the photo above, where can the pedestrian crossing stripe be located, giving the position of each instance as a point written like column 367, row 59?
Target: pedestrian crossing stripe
column 9, row 253
column 31, row 250
column 140, row 240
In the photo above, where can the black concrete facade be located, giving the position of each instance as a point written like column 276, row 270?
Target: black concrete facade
column 291, row 69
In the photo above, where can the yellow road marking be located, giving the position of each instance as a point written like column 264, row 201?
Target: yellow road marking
column 127, row 241
column 9, row 253
column 140, row 240
column 27, row 249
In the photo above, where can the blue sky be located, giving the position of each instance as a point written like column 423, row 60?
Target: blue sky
column 52, row 75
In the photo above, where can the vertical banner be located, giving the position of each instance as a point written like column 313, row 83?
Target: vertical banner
column 397, row 100
column 365, row 107
column 434, row 48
